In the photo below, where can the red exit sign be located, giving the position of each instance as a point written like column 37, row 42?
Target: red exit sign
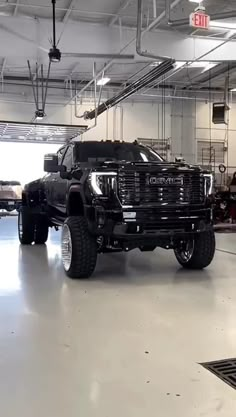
column 200, row 20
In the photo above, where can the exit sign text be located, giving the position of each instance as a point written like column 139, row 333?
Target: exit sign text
column 200, row 20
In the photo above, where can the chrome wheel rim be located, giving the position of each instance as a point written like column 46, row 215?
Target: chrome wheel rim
column 20, row 224
column 66, row 247
column 185, row 252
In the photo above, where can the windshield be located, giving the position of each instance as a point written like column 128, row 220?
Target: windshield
column 104, row 151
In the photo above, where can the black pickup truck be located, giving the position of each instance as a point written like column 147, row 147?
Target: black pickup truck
column 118, row 196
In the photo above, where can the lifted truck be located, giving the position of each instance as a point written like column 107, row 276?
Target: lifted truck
column 117, row 196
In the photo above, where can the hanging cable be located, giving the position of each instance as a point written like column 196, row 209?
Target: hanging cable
column 36, row 85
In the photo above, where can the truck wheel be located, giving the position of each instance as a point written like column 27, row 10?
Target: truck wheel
column 41, row 230
column 198, row 252
column 26, row 226
column 79, row 248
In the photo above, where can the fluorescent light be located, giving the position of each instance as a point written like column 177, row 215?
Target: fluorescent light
column 209, row 66
column 205, row 65
column 103, row 81
column 222, row 25
column 155, row 64
column 195, row 1
column 199, row 64
column 39, row 114
column 233, row 90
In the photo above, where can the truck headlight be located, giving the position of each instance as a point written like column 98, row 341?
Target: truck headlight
column 208, row 184
column 103, row 183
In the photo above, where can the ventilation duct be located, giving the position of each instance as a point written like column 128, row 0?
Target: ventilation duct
column 144, row 81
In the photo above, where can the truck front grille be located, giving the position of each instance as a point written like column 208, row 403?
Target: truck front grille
column 137, row 188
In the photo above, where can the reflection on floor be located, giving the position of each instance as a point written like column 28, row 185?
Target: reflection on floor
column 128, row 342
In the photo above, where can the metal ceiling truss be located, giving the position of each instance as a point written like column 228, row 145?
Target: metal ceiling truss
column 122, row 7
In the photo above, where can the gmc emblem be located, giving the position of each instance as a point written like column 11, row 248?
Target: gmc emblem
column 166, row 181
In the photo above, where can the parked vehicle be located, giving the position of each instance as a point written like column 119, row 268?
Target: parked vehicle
column 117, row 196
column 10, row 195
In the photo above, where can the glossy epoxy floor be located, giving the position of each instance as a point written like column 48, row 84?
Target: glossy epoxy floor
column 128, row 342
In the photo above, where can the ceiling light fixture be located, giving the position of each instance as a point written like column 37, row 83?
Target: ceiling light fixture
column 222, row 25
column 103, row 81
column 155, row 64
column 39, row 114
column 54, row 53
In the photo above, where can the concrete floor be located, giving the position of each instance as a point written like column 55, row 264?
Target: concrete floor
column 128, row 342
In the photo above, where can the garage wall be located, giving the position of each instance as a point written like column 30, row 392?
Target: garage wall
column 186, row 122
column 191, row 122
column 206, row 129
column 24, row 162
column 183, row 124
column 140, row 119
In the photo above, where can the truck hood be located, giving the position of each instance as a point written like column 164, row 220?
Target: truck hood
column 147, row 167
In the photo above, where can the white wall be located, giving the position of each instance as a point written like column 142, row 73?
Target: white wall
column 185, row 121
column 217, row 132
column 140, row 119
column 192, row 121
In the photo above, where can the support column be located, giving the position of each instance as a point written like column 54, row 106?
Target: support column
column 183, row 129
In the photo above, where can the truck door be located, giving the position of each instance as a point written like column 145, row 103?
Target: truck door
column 51, row 182
column 62, row 185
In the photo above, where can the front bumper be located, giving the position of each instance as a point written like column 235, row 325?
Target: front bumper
column 148, row 223
column 9, row 205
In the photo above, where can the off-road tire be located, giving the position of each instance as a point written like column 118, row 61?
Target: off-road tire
column 82, row 248
column 203, row 251
column 41, row 230
column 26, row 226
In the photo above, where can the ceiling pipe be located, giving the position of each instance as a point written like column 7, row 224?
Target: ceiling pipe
column 199, row 58
column 137, row 85
column 146, row 54
column 185, row 22
column 110, row 63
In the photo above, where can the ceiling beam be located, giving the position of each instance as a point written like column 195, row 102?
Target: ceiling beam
column 123, row 6
column 16, row 8
column 68, row 12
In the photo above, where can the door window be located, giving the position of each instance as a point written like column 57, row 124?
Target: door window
column 68, row 159
column 60, row 154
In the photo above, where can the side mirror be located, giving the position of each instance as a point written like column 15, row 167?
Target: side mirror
column 51, row 163
column 65, row 175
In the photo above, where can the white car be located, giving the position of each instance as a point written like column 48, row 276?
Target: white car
column 10, row 195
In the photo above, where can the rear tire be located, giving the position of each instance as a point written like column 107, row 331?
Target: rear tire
column 198, row 252
column 79, row 248
column 41, row 230
column 26, row 226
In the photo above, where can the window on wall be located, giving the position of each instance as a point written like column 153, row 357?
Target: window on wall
column 210, row 152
